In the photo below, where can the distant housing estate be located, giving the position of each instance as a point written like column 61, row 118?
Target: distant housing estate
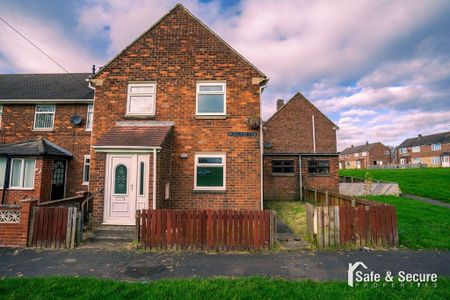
column 432, row 150
column 363, row 156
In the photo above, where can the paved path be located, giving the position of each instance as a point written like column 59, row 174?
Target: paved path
column 426, row 200
column 143, row 266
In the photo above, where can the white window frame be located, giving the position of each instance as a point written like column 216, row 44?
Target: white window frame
column 435, row 147
column 403, row 161
column 42, row 113
column 364, row 153
column 416, row 149
column 403, row 150
column 22, row 174
column 417, row 160
column 223, row 164
column 130, row 94
column 84, row 168
column 224, row 92
column 89, row 117
column 1, row 116
column 436, row 160
column 356, row 154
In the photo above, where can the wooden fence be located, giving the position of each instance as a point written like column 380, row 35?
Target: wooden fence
column 54, row 227
column 336, row 220
column 220, row 230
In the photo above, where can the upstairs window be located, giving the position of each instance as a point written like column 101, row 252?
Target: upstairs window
column 356, row 154
column 364, row 153
column 44, row 117
column 210, row 171
column 211, row 98
column 319, row 167
column 403, row 150
column 436, row 147
column 89, row 117
column 141, row 99
column 416, row 149
column 282, row 166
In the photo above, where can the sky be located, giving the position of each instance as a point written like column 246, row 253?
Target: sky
column 380, row 70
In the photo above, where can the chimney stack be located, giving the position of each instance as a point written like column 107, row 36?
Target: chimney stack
column 280, row 104
column 352, row 146
column 420, row 135
column 367, row 142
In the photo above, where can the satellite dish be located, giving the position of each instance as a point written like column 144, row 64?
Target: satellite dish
column 267, row 145
column 76, row 119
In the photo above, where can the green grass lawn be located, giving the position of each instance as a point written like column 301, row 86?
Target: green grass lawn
column 293, row 213
column 420, row 225
column 428, row 182
column 216, row 288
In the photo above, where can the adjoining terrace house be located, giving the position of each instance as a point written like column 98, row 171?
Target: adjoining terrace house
column 432, row 150
column 299, row 150
column 364, row 156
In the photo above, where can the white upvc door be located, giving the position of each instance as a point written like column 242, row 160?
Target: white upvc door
column 446, row 161
column 125, row 189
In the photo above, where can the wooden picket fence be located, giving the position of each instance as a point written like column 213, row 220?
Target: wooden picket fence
column 220, row 230
column 335, row 220
column 54, row 227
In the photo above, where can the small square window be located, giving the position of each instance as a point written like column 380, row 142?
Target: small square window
column 211, row 98
column 210, row 171
column 416, row 149
column 283, row 166
column 44, row 117
column 321, row 167
column 141, row 99
column 436, row 147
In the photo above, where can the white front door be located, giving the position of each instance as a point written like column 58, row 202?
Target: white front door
column 126, row 187
column 446, row 161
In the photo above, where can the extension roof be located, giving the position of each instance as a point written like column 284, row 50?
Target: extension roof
column 38, row 147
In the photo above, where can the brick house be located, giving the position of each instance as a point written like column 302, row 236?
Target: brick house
column 299, row 137
column 364, row 156
column 432, row 150
column 45, row 131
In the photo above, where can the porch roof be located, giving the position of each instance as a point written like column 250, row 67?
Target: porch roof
column 127, row 135
column 37, row 147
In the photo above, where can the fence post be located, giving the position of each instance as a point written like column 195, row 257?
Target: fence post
column 351, row 179
column 30, row 226
column 315, row 196
column 326, row 198
column 138, row 227
column 353, row 202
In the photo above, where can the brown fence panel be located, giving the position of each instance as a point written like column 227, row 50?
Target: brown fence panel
column 54, row 227
column 220, row 230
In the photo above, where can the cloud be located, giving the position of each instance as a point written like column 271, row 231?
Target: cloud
column 17, row 55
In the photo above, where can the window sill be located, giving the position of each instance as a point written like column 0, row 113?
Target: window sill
column 318, row 175
column 85, row 183
column 18, row 189
column 283, row 174
column 40, row 130
column 209, row 191
column 210, row 117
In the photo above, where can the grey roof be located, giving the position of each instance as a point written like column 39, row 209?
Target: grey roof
column 45, row 86
column 360, row 148
column 38, row 147
column 438, row 138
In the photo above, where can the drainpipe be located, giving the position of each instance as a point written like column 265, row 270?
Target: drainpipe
column 154, row 179
column 261, row 144
column 6, row 179
column 314, row 133
column 300, row 176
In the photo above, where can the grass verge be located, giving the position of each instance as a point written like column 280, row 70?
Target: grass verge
column 293, row 213
column 216, row 288
column 432, row 183
column 420, row 225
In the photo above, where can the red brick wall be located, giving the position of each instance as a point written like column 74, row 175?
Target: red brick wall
column 286, row 187
column 15, row 234
column 164, row 172
column 17, row 125
column 176, row 54
column 291, row 129
column 425, row 153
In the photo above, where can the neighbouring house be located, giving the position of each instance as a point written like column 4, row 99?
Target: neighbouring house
column 45, row 132
column 299, row 150
column 432, row 150
column 365, row 156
